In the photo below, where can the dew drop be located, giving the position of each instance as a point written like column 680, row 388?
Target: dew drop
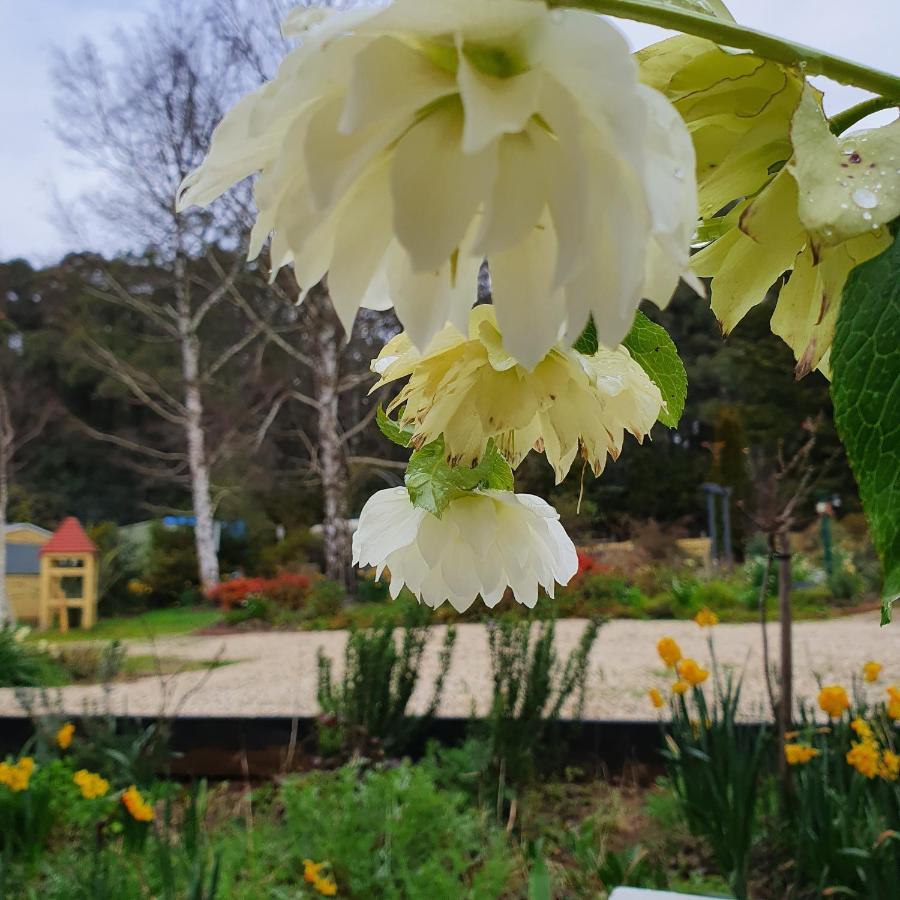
column 864, row 198
column 867, row 216
column 845, row 206
column 679, row 172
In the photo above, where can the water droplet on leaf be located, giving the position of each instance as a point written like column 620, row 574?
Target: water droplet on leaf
column 864, row 198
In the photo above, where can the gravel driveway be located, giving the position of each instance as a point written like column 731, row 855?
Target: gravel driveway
column 274, row 674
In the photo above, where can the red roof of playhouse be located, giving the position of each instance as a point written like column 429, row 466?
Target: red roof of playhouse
column 70, row 537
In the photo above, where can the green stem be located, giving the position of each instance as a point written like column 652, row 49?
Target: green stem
column 729, row 34
column 849, row 117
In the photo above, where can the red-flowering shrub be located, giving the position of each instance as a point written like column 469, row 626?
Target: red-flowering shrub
column 590, row 565
column 287, row 589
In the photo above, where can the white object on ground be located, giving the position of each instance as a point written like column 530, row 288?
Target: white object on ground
column 628, row 893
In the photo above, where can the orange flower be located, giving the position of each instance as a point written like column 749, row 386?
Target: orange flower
column 17, row 776
column 871, row 671
column 139, row 809
column 799, row 754
column 865, row 758
column 668, row 651
column 689, row 671
column 311, row 870
column 706, row 618
column 833, row 699
column 680, row 687
column 656, row 698
column 64, row 736
column 325, row 886
column 862, row 729
column 91, row 785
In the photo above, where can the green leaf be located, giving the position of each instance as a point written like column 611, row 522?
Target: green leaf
column 587, row 343
column 434, row 485
column 866, row 390
column 391, row 430
column 714, row 8
column 654, row 351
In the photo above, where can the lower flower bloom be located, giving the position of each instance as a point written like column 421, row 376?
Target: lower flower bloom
column 485, row 542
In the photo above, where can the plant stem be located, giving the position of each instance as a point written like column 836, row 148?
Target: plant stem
column 730, row 34
column 849, row 117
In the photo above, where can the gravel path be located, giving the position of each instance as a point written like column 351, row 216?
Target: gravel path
column 274, row 674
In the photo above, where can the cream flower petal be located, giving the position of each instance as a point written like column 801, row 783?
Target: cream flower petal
column 463, row 389
column 452, row 95
column 516, row 543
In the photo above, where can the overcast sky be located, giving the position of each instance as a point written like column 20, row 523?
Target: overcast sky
column 34, row 167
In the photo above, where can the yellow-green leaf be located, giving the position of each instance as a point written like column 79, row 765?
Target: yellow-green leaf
column 849, row 185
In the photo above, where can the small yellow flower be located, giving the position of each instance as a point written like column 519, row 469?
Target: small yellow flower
column 311, row 870
column 862, row 729
column 680, row 687
column 889, row 769
column 893, row 704
column 64, row 736
column 656, row 698
column 690, row 671
column 17, row 776
column 865, row 758
column 871, row 671
column 799, row 754
column 92, row 785
column 325, row 886
column 833, row 699
column 139, row 809
column 706, row 618
column 668, row 651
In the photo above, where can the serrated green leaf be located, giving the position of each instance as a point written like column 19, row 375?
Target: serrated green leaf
column 434, row 485
column 655, row 352
column 391, row 430
column 866, row 389
column 587, row 343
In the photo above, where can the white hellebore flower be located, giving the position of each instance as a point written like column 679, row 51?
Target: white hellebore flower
column 470, row 390
column 401, row 146
column 483, row 543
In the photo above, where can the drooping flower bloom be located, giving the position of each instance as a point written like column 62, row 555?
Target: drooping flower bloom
column 64, row 736
column 871, row 671
column 669, row 651
column 400, row 146
column 865, row 757
column 680, row 687
column 138, row 808
column 472, row 391
column 799, row 754
column 706, row 618
column 833, row 700
column 484, row 542
column 689, row 670
column 91, row 785
column 656, row 698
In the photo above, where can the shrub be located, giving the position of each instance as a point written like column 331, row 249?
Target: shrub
column 845, row 582
column 92, row 663
column 287, row 590
column 325, row 599
column 394, row 834
column 21, row 664
column 254, row 608
column 367, row 709
column 530, row 688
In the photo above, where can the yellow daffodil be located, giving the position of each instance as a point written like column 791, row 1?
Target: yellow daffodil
column 833, row 700
column 864, row 757
column 17, row 776
column 468, row 388
column 690, row 671
column 485, row 542
column 138, row 808
column 893, row 702
column 669, row 651
column 64, row 736
column 91, row 785
column 862, row 729
column 799, row 754
column 656, row 698
column 706, row 618
column 871, row 671
column 680, row 687
column 311, row 870
column 327, row 887
column 889, row 768
column 401, row 145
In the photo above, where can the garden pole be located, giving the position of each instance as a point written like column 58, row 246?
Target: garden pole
column 785, row 709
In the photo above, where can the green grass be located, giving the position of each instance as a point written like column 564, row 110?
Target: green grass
column 156, row 623
column 145, row 665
